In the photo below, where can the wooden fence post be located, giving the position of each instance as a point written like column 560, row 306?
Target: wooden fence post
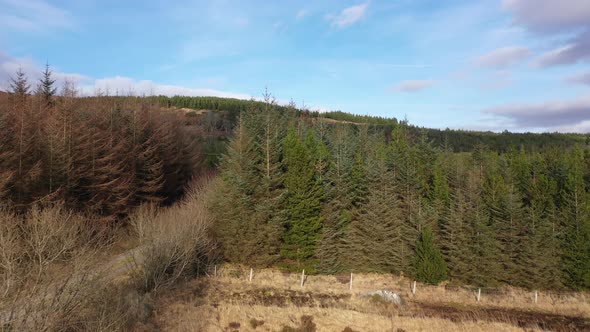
column 414, row 287
column 251, row 273
column 536, row 296
column 478, row 294
column 350, row 286
column 215, row 272
column 302, row 277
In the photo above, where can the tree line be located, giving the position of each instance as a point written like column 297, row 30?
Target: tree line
column 334, row 198
column 98, row 155
column 456, row 140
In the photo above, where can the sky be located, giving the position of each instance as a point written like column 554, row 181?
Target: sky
column 517, row 65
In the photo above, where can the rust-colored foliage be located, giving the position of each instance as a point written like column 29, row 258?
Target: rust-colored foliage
column 104, row 155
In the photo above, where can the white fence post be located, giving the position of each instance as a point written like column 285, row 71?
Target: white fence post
column 302, row 277
column 478, row 294
column 251, row 273
column 414, row 287
column 350, row 286
column 536, row 296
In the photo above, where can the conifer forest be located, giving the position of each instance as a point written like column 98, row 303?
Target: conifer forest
column 327, row 193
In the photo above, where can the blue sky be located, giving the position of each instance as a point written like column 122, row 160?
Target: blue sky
column 521, row 65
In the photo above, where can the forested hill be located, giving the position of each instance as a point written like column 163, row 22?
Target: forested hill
column 454, row 140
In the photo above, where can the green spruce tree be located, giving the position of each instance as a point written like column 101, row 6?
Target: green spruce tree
column 304, row 196
column 429, row 265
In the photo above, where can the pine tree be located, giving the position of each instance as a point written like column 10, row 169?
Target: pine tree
column 234, row 201
column 19, row 85
column 304, row 195
column 454, row 229
column 429, row 264
column 375, row 236
column 337, row 210
column 576, row 219
column 46, row 86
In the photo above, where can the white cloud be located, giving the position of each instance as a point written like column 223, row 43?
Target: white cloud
column 111, row 85
column 125, row 85
column 33, row 15
column 349, row 15
column 504, row 57
column 9, row 65
column 413, row 85
column 556, row 114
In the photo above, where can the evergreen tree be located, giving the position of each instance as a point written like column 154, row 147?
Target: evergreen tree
column 429, row 264
column 576, row 219
column 304, row 195
column 46, row 86
column 337, row 210
column 19, row 85
column 375, row 237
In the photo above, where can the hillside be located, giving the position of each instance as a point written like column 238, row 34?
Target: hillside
column 184, row 190
column 455, row 140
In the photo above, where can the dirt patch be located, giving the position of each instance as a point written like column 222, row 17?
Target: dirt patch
column 306, row 325
column 520, row 318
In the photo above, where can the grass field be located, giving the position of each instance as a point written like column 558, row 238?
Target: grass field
column 275, row 301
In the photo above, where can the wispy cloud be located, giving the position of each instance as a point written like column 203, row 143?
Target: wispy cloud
column 301, row 14
column 550, row 17
column 348, row 16
column 498, row 80
column 576, row 51
column 413, row 85
column 549, row 114
column 33, row 15
column 583, row 78
column 503, row 57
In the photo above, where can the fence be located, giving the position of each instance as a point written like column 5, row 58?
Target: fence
column 349, row 281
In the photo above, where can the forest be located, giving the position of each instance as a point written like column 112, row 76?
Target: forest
column 332, row 198
column 293, row 190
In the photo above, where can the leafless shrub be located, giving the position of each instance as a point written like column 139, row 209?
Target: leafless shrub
column 174, row 243
column 52, row 277
column 54, row 234
column 10, row 251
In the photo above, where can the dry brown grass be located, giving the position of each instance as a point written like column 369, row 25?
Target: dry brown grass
column 574, row 304
column 275, row 300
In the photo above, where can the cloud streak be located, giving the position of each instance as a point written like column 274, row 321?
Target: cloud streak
column 129, row 86
column 550, row 17
column 562, row 114
column 577, row 50
column 410, row 86
column 348, row 16
column 503, row 57
column 583, row 78
column 33, row 15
